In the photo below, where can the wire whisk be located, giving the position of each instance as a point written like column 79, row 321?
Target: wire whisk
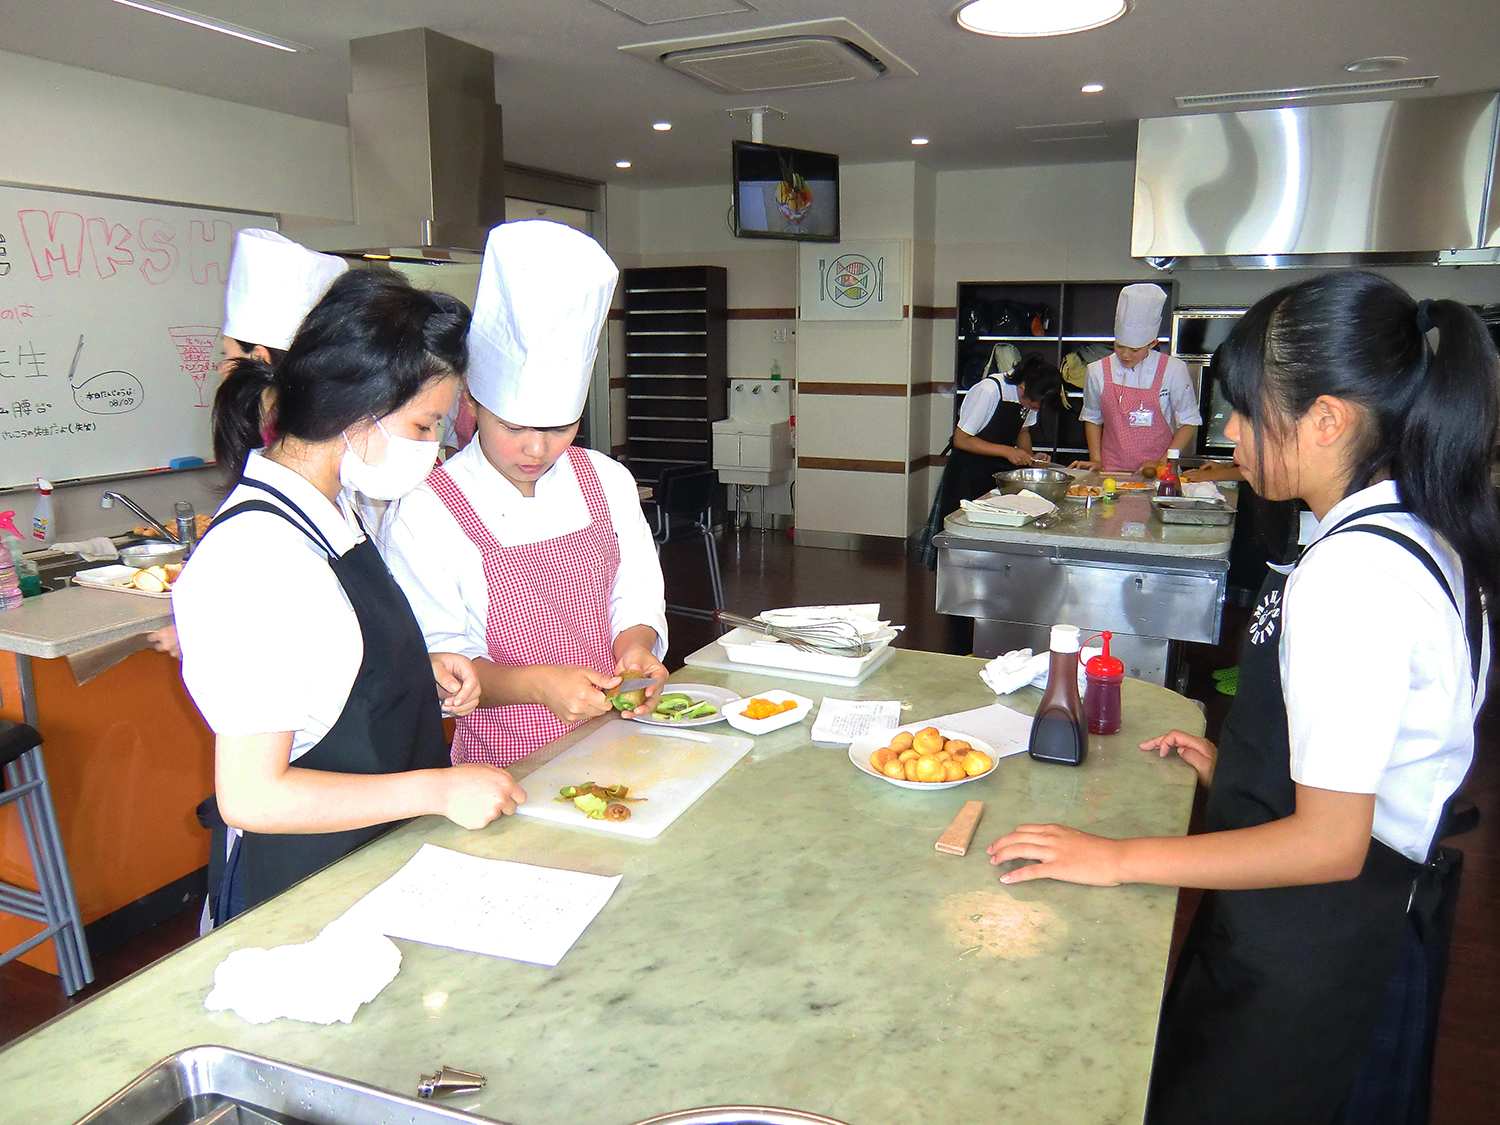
column 832, row 638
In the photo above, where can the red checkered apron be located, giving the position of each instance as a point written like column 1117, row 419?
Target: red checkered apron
column 1125, row 448
column 549, row 604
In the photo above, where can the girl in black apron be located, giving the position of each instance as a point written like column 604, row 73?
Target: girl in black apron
column 1003, row 442
column 375, row 364
column 1307, row 990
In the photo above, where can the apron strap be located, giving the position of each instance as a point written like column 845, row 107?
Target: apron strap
column 306, row 525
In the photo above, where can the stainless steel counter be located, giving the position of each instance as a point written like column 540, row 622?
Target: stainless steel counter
column 1103, row 566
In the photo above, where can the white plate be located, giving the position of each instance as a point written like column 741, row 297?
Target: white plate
column 116, row 577
column 735, row 712
column 698, row 693
column 861, row 749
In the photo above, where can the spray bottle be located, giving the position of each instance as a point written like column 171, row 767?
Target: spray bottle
column 43, row 528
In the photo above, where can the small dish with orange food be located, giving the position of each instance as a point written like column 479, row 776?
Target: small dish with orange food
column 766, row 711
column 927, row 758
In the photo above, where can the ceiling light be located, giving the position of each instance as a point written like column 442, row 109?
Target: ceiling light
column 223, row 27
column 1093, row 88
column 1376, row 63
column 622, row 164
column 919, row 140
column 663, row 126
column 1027, row 18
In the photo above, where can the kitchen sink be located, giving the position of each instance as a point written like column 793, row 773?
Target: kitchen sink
column 55, row 568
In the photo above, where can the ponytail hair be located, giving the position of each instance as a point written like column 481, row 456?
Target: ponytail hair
column 1424, row 375
column 1040, row 379
column 371, row 345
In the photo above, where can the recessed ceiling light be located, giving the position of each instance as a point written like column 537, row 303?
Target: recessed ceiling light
column 1027, row 18
column 663, row 126
column 919, row 140
column 1376, row 63
column 1093, row 88
column 622, row 164
column 197, row 19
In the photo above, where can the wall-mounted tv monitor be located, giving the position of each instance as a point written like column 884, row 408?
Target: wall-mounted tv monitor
column 785, row 193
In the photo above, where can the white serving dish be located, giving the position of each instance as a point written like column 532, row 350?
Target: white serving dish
column 734, row 712
column 743, row 646
column 116, row 577
column 698, row 693
column 861, row 749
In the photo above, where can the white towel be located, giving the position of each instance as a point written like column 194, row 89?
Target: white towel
column 91, row 550
column 321, row 981
column 1019, row 668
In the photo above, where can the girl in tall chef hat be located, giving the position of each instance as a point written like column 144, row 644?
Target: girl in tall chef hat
column 524, row 552
column 272, row 284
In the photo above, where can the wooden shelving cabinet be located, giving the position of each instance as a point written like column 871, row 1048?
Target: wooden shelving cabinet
column 1076, row 313
column 676, row 365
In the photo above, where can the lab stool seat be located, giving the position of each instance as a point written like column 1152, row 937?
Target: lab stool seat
column 690, row 493
column 53, row 903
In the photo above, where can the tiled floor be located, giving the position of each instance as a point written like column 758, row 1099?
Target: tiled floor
column 764, row 570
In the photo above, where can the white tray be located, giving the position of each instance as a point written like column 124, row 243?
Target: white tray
column 114, row 577
column 745, row 646
column 713, row 656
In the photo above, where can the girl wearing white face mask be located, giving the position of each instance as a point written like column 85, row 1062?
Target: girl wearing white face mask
column 298, row 647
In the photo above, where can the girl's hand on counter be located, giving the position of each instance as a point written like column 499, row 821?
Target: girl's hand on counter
column 165, row 640
column 457, row 682
column 1091, row 466
column 478, row 793
column 1197, row 752
column 572, row 693
column 1228, row 471
column 1061, row 853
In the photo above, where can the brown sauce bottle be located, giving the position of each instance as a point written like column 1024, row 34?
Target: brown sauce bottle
column 1058, row 732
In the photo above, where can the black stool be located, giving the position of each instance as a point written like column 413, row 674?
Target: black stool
column 53, row 903
column 689, row 492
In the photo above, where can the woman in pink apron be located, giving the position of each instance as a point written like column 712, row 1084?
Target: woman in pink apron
column 1138, row 402
column 524, row 552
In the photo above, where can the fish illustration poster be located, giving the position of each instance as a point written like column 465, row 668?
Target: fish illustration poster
column 852, row 281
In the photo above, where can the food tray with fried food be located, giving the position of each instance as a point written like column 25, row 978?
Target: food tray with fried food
column 152, row 582
column 922, row 758
column 200, row 525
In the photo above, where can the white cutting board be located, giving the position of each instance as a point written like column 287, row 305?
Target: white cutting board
column 670, row 772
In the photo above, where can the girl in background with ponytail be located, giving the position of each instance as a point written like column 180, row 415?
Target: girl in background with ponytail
column 298, row 647
column 1308, row 987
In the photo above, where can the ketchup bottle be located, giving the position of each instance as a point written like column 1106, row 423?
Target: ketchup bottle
column 1101, row 703
column 1169, row 480
column 1057, row 731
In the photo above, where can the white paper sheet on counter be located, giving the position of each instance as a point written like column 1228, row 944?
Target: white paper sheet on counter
column 491, row 906
column 841, row 721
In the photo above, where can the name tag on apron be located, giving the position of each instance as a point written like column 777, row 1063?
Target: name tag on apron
column 1141, row 417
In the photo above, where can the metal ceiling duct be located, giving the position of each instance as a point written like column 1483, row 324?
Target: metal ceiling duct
column 1409, row 181
column 426, row 152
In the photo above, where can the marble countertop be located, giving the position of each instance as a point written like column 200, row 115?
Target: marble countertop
column 792, row 940
column 1126, row 526
column 73, row 619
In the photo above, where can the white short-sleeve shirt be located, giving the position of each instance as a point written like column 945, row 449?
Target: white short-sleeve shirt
column 269, row 640
column 981, row 401
column 1179, row 402
column 441, row 570
column 1376, row 672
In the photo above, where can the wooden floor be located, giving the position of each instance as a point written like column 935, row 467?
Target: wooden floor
column 762, row 570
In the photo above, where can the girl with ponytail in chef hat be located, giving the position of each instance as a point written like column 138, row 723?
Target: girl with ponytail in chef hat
column 298, row 647
column 1308, row 988
column 272, row 283
column 524, row 552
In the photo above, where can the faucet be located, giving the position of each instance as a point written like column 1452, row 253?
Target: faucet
column 108, row 501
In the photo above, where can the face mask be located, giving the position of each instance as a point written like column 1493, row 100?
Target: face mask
column 406, row 465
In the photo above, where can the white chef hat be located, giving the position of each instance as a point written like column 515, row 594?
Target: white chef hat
column 1138, row 314
column 544, row 294
column 273, row 282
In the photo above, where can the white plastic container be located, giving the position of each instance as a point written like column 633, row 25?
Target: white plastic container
column 43, row 528
column 735, row 712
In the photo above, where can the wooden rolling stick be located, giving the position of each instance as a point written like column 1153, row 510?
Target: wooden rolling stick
column 955, row 839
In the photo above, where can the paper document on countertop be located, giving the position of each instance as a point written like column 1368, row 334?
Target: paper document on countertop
column 1007, row 730
column 841, row 721
column 491, row 906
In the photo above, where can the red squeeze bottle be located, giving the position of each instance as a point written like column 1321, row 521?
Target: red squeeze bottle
column 1101, row 703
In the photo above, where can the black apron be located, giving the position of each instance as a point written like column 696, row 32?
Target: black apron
column 391, row 723
column 1278, row 991
column 968, row 476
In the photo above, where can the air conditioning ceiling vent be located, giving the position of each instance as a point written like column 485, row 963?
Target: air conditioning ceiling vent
column 777, row 64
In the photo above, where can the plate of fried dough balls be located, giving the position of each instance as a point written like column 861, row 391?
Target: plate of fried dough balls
column 926, row 758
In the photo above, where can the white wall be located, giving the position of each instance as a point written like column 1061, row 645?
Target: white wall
column 83, row 131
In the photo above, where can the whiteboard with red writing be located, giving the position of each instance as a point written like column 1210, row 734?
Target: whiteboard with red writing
column 109, row 331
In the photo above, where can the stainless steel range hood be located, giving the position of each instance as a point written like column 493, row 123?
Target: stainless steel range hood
column 1412, row 181
column 425, row 150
